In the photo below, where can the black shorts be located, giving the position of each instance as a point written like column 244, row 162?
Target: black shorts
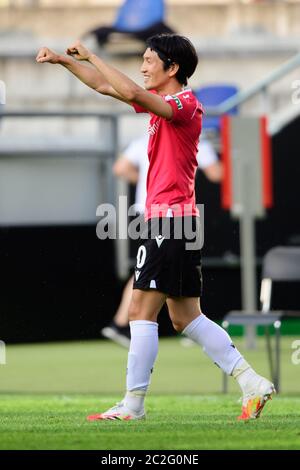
column 165, row 260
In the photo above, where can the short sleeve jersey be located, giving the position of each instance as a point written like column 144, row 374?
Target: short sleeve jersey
column 172, row 152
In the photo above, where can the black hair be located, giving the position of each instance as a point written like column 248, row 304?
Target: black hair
column 173, row 48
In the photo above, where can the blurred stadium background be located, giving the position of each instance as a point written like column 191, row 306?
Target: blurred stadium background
column 59, row 281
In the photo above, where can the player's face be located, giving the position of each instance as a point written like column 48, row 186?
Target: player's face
column 155, row 77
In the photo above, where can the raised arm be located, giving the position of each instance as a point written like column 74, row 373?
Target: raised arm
column 90, row 76
column 132, row 92
column 121, row 84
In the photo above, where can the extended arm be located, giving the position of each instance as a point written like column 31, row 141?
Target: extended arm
column 90, row 76
column 132, row 92
column 109, row 80
column 123, row 86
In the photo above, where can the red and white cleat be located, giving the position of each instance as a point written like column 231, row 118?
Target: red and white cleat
column 119, row 412
column 255, row 399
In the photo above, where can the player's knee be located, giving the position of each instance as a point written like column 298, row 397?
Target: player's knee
column 137, row 312
column 178, row 325
column 133, row 312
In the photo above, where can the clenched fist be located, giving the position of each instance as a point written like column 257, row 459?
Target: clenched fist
column 78, row 51
column 46, row 55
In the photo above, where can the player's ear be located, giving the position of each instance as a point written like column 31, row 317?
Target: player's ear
column 173, row 69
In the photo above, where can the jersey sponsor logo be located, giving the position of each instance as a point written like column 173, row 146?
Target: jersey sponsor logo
column 159, row 239
column 177, row 101
column 154, row 128
column 137, row 274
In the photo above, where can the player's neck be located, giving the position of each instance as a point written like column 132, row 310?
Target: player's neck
column 170, row 88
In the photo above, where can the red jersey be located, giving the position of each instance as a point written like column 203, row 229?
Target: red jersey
column 172, row 152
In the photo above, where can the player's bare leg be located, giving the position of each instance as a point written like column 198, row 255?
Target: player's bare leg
column 121, row 316
column 183, row 310
column 118, row 329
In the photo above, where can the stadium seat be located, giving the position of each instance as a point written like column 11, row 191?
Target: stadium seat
column 136, row 15
column 280, row 264
column 213, row 95
column 138, row 18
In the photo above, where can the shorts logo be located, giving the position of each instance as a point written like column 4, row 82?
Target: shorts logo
column 137, row 274
column 159, row 239
column 177, row 101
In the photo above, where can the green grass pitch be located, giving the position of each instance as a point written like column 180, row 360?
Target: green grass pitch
column 46, row 391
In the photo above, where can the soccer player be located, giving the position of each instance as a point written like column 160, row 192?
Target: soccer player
column 167, row 270
column 132, row 166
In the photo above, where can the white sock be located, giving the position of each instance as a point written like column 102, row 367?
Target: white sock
column 141, row 357
column 135, row 400
column 216, row 343
column 245, row 375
